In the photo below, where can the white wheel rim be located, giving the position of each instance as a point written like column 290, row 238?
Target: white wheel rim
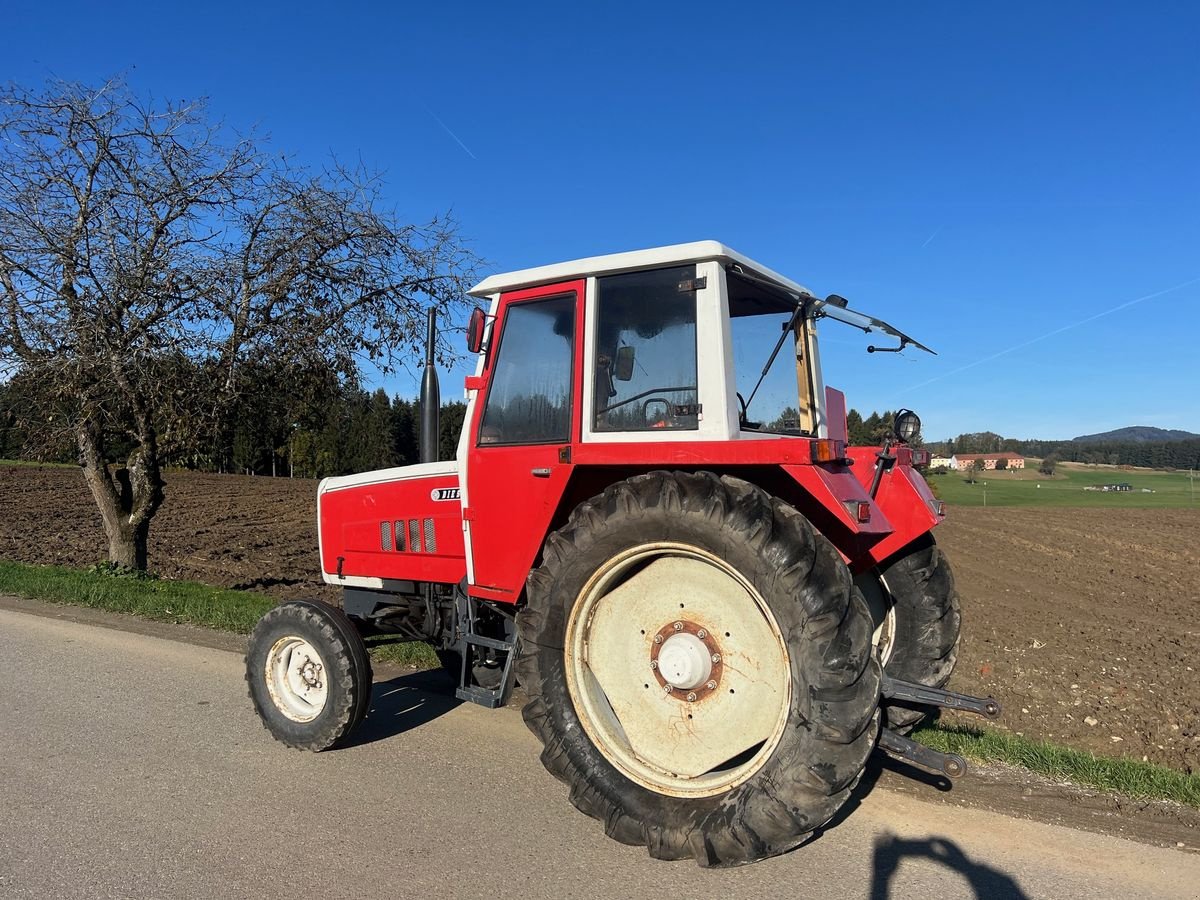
column 723, row 717
column 296, row 678
column 883, row 613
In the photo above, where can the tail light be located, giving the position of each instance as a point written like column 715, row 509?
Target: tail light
column 920, row 457
column 859, row 509
column 825, row 450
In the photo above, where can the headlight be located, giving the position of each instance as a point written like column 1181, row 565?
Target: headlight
column 907, row 425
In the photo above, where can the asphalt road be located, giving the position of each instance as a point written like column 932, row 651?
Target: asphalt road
column 132, row 766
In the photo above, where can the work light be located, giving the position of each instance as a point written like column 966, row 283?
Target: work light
column 907, row 426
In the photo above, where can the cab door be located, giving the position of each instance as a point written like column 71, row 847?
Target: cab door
column 524, row 422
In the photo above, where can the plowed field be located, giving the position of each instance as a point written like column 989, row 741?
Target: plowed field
column 1084, row 623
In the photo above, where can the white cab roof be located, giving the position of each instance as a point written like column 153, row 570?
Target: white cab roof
column 653, row 258
column 680, row 254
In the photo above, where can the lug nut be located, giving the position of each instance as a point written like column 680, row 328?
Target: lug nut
column 678, row 626
column 716, row 657
column 658, row 639
column 712, row 685
column 692, row 697
column 702, row 634
column 667, row 688
column 654, row 663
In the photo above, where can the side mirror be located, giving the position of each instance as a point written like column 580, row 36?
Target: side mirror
column 623, row 368
column 475, row 328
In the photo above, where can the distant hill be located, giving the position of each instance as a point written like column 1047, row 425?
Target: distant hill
column 1138, row 434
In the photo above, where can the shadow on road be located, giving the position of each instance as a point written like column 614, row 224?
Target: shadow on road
column 404, row 703
column 987, row 883
column 877, row 764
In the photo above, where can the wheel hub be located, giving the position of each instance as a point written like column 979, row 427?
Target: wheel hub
column 310, row 673
column 686, row 660
column 295, row 677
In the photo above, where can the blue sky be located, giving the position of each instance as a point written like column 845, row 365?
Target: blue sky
column 989, row 180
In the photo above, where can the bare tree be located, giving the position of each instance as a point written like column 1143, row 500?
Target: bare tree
column 144, row 257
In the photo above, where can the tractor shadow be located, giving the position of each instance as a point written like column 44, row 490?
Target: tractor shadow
column 985, row 882
column 403, row 703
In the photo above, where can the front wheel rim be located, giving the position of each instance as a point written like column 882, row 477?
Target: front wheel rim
column 296, row 678
column 678, row 670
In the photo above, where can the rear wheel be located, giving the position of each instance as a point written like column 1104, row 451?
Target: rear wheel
column 699, row 668
column 915, row 610
column 309, row 674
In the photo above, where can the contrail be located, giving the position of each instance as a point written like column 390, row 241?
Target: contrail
column 1050, row 334
column 932, row 236
column 446, row 128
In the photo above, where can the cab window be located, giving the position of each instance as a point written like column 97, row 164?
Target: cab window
column 645, row 365
column 529, row 398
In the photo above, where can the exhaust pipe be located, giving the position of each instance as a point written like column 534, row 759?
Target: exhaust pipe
column 430, row 397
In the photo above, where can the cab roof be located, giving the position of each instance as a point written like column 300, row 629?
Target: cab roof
column 681, row 254
column 652, row 258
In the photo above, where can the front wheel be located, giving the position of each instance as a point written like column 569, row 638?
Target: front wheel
column 309, row 674
column 699, row 668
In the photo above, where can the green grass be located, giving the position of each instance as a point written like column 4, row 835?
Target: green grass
column 1066, row 488
column 180, row 602
column 33, row 463
column 1123, row 776
column 410, row 653
column 160, row 600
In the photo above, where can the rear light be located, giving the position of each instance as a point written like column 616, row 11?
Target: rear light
column 861, row 510
column 826, row 450
column 920, row 457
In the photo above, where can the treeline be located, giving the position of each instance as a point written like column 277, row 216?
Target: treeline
column 305, row 424
column 1148, row 454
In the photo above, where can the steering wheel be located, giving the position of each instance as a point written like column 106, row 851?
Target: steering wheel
column 627, row 400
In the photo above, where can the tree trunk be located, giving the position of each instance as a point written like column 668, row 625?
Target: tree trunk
column 127, row 498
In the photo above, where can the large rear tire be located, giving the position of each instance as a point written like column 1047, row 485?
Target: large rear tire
column 309, row 674
column 915, row 608
column 728, row 765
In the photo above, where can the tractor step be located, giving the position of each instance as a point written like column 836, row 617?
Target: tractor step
column 895, row 689
column 474, row 693
column 949, row 764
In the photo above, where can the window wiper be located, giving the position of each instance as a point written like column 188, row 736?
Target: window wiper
column 787, row 329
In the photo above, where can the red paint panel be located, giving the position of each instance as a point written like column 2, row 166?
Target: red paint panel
column 514, row 490
column 350, row 518
column 904, row 497
column 835, row 415
column 663, row 454
column 834, row 488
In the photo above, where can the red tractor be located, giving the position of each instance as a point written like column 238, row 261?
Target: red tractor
column 715, row 620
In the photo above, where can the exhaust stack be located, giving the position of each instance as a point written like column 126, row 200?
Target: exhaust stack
column 430, row 397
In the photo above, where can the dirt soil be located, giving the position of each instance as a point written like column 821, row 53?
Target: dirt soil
column 1085, row 624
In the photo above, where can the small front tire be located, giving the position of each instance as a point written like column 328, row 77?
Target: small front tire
column 309, row 674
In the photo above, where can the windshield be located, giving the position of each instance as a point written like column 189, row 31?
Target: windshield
column 781, row 400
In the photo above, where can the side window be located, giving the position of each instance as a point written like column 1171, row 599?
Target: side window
column 529, row 399
column 645, row 366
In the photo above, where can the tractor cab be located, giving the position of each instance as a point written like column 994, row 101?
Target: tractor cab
column 668, row 340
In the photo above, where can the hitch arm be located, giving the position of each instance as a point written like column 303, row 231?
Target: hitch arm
column 949, row 764
column 895, row 689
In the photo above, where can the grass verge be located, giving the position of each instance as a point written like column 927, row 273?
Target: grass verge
column 1124, row 776
column 180, row 602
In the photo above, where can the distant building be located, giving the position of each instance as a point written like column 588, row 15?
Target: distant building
column 941, row 462
column 986, row 460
